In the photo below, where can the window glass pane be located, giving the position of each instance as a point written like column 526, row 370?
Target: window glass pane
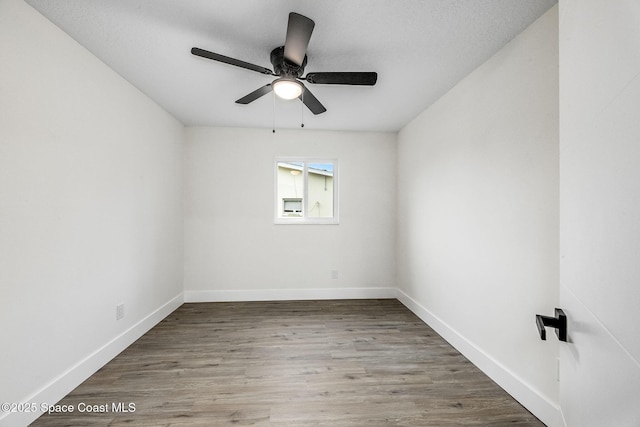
column 290, row 189
column 320, row 191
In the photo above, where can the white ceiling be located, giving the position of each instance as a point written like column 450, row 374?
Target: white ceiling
column 419, row 48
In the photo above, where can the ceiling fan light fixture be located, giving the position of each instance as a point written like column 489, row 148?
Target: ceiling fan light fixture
column 287, row 88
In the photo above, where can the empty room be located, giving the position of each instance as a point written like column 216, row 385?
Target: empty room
column 336, row 213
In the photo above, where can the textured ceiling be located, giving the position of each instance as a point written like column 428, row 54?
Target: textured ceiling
column 419, row 48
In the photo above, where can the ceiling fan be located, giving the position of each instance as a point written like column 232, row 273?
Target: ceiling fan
column 288, row 65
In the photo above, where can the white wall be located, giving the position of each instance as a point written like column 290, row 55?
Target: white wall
column 600, row 211
column 233, row 249
column 478, row 215
column 90, row 211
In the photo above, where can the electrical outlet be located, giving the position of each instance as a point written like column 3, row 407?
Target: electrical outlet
column 334, row 274
column 119, row 311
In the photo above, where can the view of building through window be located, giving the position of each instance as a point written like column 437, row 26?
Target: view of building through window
column 305, row 189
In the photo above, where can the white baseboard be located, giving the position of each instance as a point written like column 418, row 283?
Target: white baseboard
column 289, row 294
column 67, row 381
column 547, row 411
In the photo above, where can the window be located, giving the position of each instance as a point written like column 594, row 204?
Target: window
column 306, row 191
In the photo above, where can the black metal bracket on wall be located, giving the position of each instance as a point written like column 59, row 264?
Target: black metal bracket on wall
column 559, row 323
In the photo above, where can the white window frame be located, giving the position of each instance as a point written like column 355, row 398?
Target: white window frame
column 304, row 219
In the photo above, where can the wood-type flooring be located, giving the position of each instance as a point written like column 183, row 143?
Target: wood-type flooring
column 339, row 363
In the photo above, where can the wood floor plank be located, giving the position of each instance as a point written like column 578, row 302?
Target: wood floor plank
column 296, row 363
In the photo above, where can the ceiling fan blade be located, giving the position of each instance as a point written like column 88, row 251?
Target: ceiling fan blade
column 311, row 101
column 231, row 61
column 299, row 32
column 346, row 78
column 255, row 94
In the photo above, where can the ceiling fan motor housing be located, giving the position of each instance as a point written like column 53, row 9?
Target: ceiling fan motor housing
column 284, row 68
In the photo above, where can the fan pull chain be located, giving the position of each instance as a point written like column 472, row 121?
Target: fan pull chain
column 274, row 111
column 302, row 109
